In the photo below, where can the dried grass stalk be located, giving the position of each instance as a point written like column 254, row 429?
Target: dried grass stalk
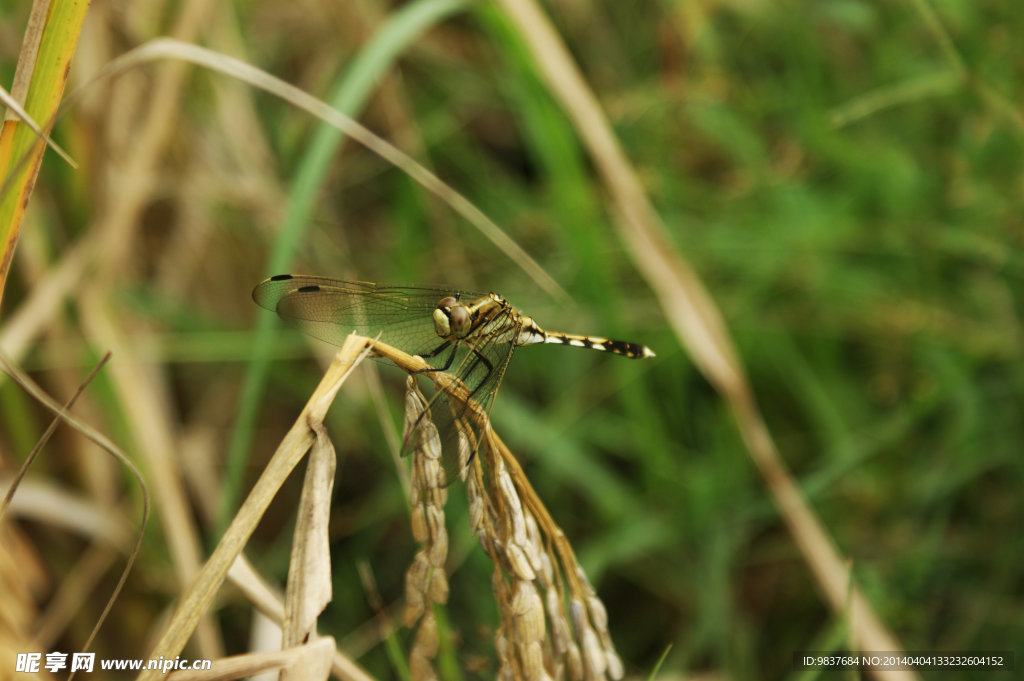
column 313, row 590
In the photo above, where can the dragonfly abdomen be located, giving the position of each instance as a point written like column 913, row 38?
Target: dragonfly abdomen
column 616, row 347
column 530, row 333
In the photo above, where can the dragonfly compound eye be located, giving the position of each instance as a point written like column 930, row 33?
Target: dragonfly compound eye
column 460, row 321
column 442, row 325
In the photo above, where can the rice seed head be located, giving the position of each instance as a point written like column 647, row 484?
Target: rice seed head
column 587, row 586
column 465, row 454
column 574, row 660
column 417, row 581
column 512, row 507
column 578, row 613
column 547, row 572
column 503, row 651
column 536, row 582
column 527, row 613
column 421, row 668
column 561, row 636
column 616, row 670
column 428, row 479
column 476, row 508
column 594, row 663
column 418, row 520
column 426, row 641
column 438, row 587
column 532, row 657
column 425, row 581
column 437, row 546
column 598, row 615
column 519, row 563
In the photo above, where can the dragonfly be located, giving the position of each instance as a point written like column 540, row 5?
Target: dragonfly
column 472, row 335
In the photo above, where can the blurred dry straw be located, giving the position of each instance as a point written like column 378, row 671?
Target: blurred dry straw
column 552, row 621
column 309, row 656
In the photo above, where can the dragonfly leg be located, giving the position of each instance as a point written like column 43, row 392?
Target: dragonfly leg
column 435, row 352
column 448, row 362
column 477, row 360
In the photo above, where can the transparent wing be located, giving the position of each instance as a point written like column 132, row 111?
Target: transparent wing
column 331, row 309
column 480, row 365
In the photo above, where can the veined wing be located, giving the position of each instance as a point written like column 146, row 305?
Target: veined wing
column 402, row 315
column 479, row 364
column 487, row 357
column 330, row 309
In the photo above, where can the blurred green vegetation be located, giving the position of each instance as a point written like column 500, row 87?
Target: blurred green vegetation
column 870, row 271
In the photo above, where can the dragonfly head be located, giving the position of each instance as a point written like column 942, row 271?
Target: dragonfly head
column 451, row 319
